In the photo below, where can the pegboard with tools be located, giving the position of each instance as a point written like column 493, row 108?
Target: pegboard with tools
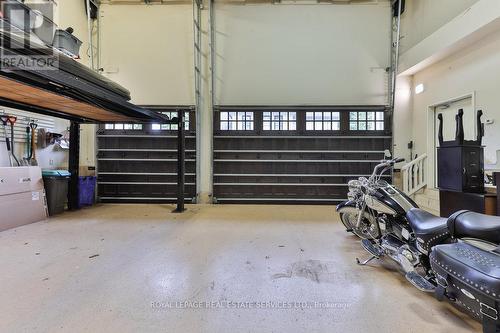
column 21, row 128
column 23, row 121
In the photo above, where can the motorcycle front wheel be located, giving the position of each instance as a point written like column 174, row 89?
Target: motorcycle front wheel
column 368, row 229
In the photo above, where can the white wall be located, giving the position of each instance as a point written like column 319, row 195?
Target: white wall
column 474, row 69
column 468, row 27
column 149, row 50
column 266, row 54
column 452, row 47
column 423, row 17
column 402, row 131
column 310, row 54
column 71, row 13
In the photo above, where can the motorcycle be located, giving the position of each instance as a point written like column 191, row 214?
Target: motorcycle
column 457, row 258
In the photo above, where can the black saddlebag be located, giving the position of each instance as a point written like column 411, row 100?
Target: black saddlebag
column 471, row 277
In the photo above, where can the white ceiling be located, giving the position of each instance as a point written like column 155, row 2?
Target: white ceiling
column 132, row 2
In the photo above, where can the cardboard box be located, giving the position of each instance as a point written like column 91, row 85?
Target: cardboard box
column 86, row 171
column 22, row 208
column 20, row 179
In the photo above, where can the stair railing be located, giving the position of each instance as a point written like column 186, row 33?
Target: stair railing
column 414, row 175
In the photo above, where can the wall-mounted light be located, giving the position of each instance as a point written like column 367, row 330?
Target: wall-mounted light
column 419, row 88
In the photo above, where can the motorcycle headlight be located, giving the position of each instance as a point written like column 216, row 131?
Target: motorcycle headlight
column 354, row 186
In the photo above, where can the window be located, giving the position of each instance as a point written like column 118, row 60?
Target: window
column 280, row 121
column 236, row 121
column 123, row 126
column 322, row 121
column 171, row 127
column 366, row 121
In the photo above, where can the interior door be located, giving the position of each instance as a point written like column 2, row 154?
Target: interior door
column 449, row 111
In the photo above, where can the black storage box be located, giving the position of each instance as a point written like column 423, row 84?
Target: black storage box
column 471, row 276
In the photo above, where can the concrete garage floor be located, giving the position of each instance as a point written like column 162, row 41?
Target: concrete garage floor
column 140, row 268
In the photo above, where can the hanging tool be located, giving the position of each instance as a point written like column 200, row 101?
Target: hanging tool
column 5, row 120
column 33, row 160
column 26, row 160
column 12, row 120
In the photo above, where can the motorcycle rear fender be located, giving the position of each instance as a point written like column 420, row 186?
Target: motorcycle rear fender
column 482, row 244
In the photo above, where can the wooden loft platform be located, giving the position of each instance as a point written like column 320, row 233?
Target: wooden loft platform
column 54, row 99
column 37, row 98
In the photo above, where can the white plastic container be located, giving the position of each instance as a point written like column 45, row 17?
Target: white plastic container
column 66, row 42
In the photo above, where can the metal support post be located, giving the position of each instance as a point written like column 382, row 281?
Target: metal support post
column 181, row 166
column 74, row 164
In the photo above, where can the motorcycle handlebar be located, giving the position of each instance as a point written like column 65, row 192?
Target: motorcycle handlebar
column 390, row 162
column 384, row 164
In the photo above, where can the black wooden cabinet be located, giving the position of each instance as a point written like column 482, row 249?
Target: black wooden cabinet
column 451, row 202
column 460, row 168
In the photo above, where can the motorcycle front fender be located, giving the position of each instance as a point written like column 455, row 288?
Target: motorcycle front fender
column 348, row 206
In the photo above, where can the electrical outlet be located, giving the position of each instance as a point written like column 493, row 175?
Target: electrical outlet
column 51, row 162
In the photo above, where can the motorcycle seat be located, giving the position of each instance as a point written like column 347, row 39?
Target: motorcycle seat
column 423, row 222
column 470, row 224
column 428, row 228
